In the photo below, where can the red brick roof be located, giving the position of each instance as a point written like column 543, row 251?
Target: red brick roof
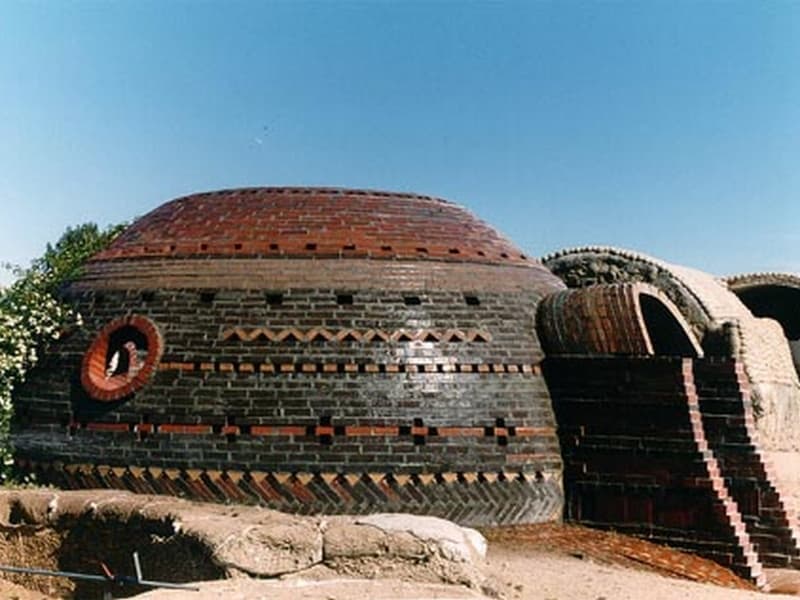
column 314, row 222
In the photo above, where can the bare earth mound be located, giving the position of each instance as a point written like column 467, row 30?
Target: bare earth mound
column 239, row 552
column 179, row 541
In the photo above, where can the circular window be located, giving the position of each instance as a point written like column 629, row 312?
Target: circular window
column 122, row 358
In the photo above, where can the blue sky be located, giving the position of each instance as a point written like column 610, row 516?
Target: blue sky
column 671, row 128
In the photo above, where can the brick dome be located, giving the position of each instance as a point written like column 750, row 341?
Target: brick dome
column 314, row 222
column 313, row 350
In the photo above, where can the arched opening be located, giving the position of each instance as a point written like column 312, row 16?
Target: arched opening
column 667, row 335
column 778, row 302
column 633, row 319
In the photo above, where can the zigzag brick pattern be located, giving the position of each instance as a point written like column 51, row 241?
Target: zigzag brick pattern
column 249, row 334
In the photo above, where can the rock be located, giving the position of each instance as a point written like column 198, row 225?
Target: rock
column 247, row 541
column 286, row 545
column 345, row 539
column 455, row 542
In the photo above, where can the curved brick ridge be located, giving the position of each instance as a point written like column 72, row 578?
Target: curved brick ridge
column 610, row 319
column 469, row 498
column 697, row 294
column 313, row 222
column 745, row 280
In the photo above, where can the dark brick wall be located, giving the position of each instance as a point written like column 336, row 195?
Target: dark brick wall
column 729, row 424
column 637, row 458
column 388, row 406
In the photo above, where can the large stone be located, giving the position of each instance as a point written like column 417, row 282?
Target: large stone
column 184, row 541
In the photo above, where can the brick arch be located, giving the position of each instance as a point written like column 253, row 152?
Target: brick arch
column 666, row 329
column 136, row 343
column 628, row 319
column 718, row 317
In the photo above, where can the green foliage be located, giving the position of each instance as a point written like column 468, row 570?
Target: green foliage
column 31, row 314
column 63, row 262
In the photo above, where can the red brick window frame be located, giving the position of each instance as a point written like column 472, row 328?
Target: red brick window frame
column 122, row 358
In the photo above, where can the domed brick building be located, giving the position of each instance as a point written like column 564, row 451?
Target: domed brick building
column 340, row 351
column 314, row 350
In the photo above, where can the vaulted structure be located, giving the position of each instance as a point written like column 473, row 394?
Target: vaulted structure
column 343, row 351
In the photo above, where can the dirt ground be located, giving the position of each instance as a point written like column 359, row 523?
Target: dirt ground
column 543, row 570
column 12, row 591
column 518, row 573
column 535, row 575
column 536, row 562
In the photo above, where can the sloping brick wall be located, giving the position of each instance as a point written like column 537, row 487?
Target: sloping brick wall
column 729, row 423
column 637, row 458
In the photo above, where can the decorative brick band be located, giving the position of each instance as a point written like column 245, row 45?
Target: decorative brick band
column 250, row 334
column 747, row 280
column 305, row 274
column 471, row 498
column 324, row 432
column 249, row 368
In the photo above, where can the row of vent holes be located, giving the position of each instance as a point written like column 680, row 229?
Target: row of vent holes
column 341, row 299
column 277, row 299
column 351, row 247
column 347, row 299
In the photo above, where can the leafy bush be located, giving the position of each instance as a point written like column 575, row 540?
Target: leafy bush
column 31, row 315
